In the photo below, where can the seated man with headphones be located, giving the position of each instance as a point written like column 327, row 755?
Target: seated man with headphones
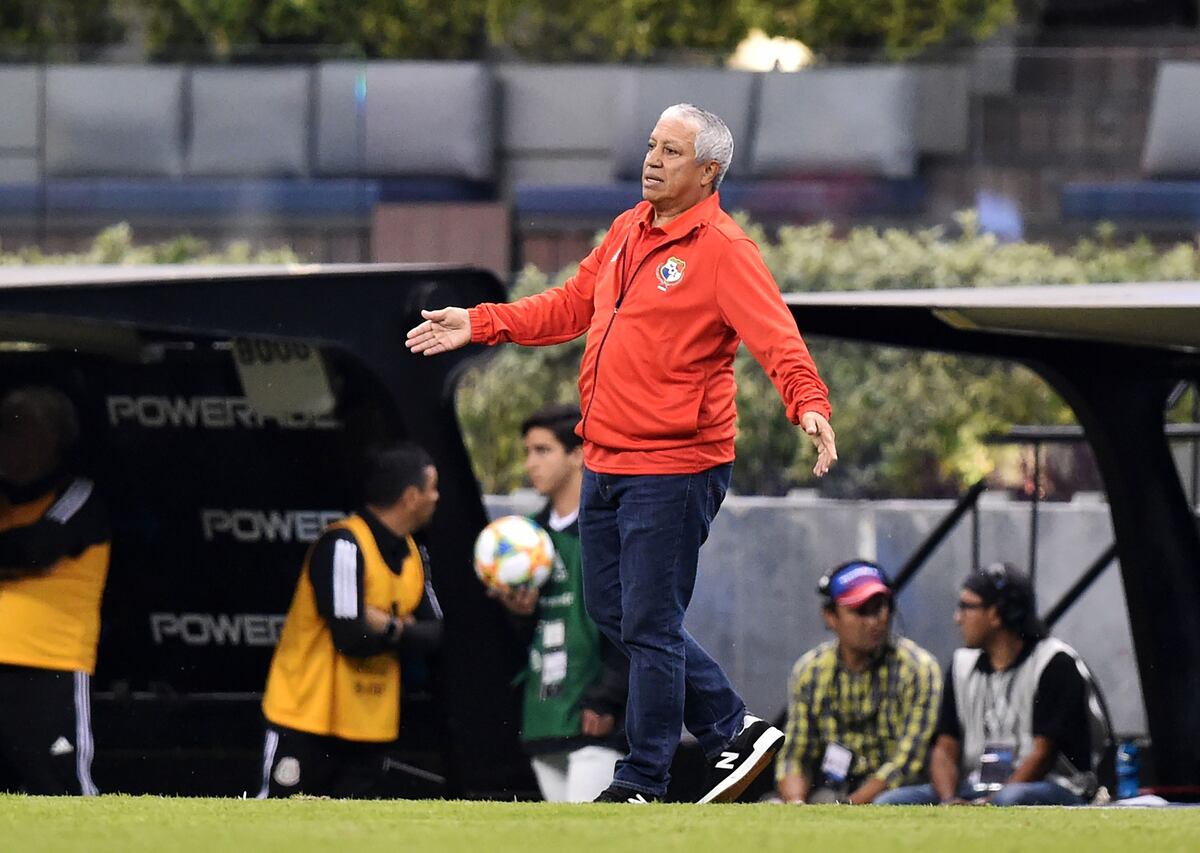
column 1022, row 721
column 862, row 706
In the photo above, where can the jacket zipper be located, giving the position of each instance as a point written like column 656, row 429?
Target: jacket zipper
column 612, row 319
column 617, row 307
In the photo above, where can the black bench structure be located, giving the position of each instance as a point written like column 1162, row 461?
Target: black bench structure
column 213, row 507
column 1114, row 353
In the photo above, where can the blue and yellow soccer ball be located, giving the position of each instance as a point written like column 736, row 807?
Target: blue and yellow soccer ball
column 513, row 552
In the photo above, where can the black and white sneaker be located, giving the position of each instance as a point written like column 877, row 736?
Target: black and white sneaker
column 740, row 763
column 620, row 794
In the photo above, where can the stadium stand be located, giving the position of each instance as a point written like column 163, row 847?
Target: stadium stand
column 830, row 142
column 326, row 155
column 277, row 142
column 19, row 131
column 874, row 131
column 249, row 123
column 114, row 121
column 1170, row 191
column 291, row 153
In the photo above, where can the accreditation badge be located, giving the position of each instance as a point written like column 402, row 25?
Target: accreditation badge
column 835, row 766
column 554, row 634
column 554, row 657
column 996, row 764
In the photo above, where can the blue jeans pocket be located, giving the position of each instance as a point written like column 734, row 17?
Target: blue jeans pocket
column 718, row 485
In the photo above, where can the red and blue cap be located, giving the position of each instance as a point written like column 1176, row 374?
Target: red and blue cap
column 856, row 583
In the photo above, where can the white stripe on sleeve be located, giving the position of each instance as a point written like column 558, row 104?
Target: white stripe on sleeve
column 433, row 600
column 345, row 579
column 71, row 501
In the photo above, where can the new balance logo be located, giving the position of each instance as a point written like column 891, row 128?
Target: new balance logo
column 727, row 761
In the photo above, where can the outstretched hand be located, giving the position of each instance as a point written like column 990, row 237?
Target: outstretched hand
column 519, row 601
column 444, row 329
column 596, row 725
column 822, row 436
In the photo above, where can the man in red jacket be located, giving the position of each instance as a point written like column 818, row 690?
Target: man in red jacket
column 665, row 300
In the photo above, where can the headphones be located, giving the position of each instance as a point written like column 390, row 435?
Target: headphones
column 1012, row 595
column 825, row 584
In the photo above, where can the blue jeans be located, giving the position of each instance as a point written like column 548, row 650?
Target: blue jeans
column 641, row 536
column 1016, row 794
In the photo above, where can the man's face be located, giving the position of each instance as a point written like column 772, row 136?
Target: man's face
column 671, row 177
column 976, row 621
column 548, row 463
column 863, row 629
column 421, row 502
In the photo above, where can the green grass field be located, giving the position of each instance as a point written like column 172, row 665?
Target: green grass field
column 117, row 823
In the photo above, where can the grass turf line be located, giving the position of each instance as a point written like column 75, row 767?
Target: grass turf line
column 120, row 823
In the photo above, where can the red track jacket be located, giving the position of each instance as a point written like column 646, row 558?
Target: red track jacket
column 664, row 310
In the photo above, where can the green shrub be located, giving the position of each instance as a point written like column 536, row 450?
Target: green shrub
column 553, row 31
column 908, row 423
column 539, row 30
column 895, row 29
column 115, row 246
column 57, row 29
column 388, row 29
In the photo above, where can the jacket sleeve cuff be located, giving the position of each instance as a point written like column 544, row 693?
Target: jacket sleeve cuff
column 820, row 406
column 481, row 325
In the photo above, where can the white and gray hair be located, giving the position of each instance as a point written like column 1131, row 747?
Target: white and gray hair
column 713, row 139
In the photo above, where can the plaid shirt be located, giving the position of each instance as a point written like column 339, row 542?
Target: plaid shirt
column 885, row 716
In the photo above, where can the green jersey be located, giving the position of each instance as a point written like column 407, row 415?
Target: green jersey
column 565, row 657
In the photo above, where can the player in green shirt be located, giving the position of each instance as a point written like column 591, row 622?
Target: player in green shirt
column 576, row 681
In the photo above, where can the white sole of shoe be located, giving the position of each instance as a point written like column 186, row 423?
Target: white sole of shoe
column 731, row 786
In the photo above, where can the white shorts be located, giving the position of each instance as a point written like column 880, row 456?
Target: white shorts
column 575, row 777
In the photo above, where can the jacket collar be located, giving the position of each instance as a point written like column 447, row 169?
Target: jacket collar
column 393, row 548
column 886, row 653
column 697, row 214
column 543, row 520
column 984, row 663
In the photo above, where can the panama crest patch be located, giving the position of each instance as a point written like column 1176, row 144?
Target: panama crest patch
column 670, row 273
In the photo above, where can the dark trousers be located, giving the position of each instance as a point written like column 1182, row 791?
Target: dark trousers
column 301, row 763
column 641, row 538
column 45, row 731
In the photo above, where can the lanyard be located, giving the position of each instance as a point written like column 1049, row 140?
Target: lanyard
column 999, row 720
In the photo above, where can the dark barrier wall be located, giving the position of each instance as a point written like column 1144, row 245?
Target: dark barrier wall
column 213, row 507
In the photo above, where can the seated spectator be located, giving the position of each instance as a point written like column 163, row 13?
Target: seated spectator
column 1022, row 722
column 863, row 706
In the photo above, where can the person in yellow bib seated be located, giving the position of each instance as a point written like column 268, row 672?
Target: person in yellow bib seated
column 54, row 549
column 332, row 701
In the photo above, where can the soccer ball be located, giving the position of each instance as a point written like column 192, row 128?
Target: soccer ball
column 513, row 551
